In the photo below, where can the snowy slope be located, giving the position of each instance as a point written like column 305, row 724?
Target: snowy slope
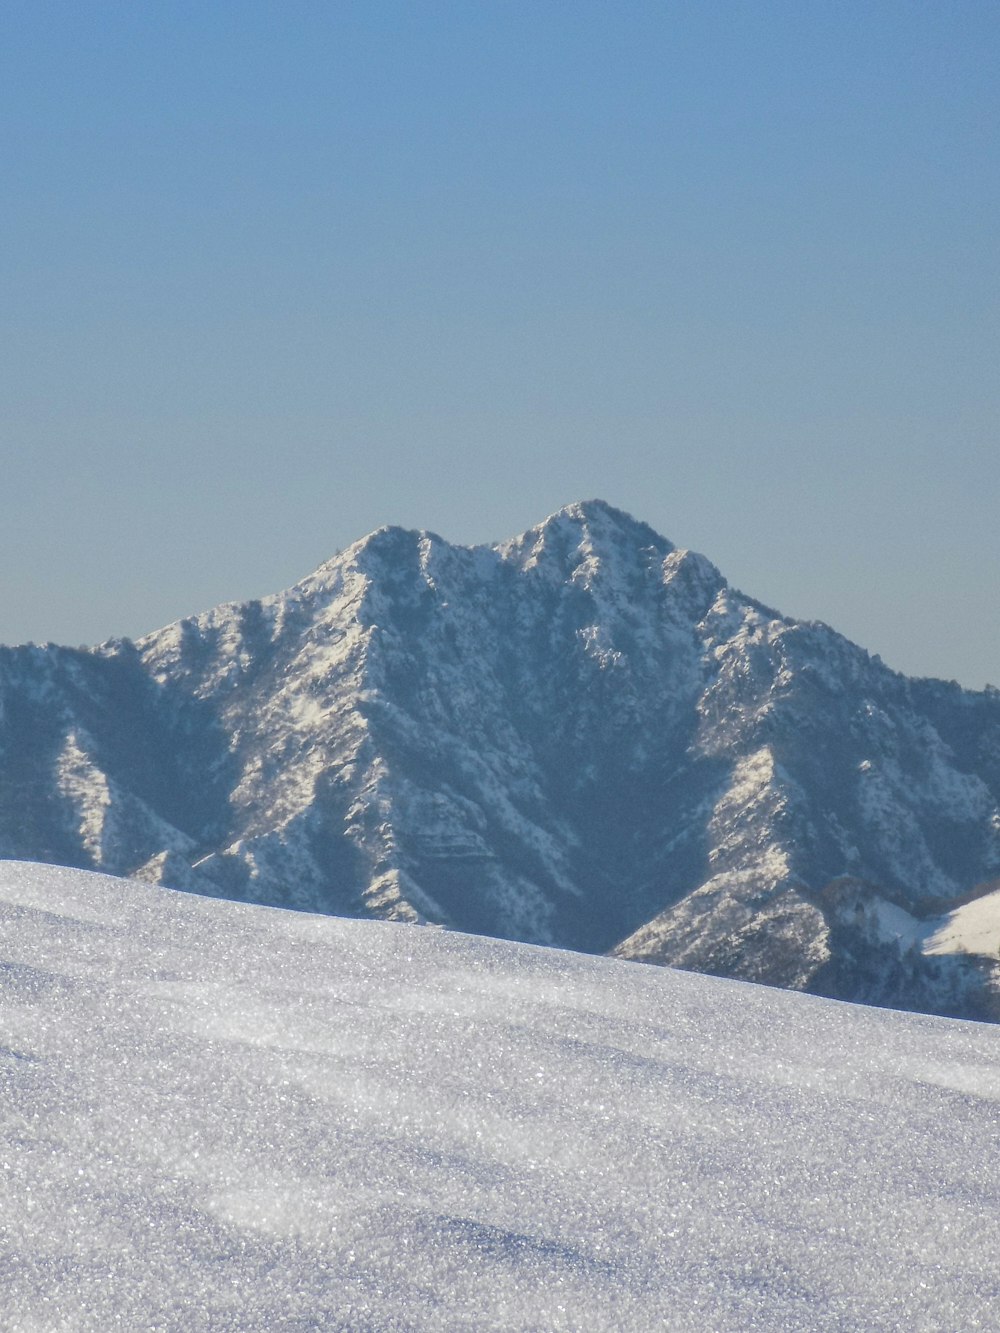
column 220, row 1116
column 580, row 737
column 972, row 929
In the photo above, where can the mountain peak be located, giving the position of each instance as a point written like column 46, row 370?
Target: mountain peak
column 585, row 532
column 578, row 736
column 598, row 516
column 586, row 511
column 577, row 530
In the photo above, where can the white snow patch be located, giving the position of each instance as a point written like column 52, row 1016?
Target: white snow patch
column 82, row 782
column 973, row 928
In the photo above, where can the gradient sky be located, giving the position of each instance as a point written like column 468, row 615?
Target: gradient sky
column 274, row 274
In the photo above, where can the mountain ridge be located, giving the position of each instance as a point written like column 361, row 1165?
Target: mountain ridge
column 581, row 736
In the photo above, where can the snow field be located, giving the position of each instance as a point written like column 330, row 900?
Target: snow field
column 217, row 1116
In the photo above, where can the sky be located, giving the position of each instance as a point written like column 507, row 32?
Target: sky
column 273, row 275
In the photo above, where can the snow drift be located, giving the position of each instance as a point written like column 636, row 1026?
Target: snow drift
column 229, row 1117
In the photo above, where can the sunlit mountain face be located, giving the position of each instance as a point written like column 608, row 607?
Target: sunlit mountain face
column 581, row 737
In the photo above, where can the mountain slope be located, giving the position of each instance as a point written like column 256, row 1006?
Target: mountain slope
column 582, row 736
column 226, row 1117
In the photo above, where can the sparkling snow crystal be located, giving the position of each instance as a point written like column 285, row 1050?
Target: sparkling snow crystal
column 228, row 1117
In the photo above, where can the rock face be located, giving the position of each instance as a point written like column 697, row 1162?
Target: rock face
column 580, row 737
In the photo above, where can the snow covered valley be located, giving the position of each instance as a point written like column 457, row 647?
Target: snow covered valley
column 222, row 1116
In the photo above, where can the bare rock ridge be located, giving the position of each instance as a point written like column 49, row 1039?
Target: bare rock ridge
column 582, row 737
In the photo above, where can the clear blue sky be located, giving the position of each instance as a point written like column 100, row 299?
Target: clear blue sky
column 276, row 274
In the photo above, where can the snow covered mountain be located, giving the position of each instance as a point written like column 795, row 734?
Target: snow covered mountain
column 220, row 1116
column 580, row 737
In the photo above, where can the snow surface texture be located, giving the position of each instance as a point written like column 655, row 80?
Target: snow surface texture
column 581, row 737
column 225, row 1117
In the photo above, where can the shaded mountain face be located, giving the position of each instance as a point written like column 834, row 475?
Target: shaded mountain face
column 580, row 737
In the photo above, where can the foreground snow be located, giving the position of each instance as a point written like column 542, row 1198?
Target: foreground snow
column 223, row 1117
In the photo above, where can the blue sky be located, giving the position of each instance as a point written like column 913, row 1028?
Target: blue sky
column 276, row 274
